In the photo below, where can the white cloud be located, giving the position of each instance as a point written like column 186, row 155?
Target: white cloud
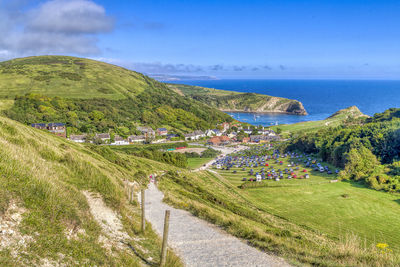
column 70, row 17
column 54, row 27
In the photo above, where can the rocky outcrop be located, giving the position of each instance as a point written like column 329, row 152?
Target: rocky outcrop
column 350, row 112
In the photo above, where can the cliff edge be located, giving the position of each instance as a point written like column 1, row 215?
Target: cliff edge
column 229, row 101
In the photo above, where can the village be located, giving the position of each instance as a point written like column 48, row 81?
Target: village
column 224, row 134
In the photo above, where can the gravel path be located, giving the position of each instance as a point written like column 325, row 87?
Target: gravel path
column 200, row 243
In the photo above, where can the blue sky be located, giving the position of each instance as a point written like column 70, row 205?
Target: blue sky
column 227, row 39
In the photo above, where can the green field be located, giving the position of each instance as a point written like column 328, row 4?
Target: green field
column 194, row 163
column 316, row 221
column 335, row 209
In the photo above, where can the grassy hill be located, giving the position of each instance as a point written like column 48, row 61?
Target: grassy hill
column 334, row 120
column 69, row 77
column 56, row 85
column 51, row 192
column 310, row 222
column 48, row 187
column 240, row 102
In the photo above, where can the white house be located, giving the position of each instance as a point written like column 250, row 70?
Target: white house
column 119, row 141
column 210, row 133
column 196, row 135
column 199, row 134
column 248, row 131
column 190, row 137
column 104, row 137
column 78, row 138
column 136, row 139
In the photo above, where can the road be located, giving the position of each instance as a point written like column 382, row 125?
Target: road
column 200, row 243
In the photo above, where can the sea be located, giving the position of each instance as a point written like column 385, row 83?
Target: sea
column 321, row 98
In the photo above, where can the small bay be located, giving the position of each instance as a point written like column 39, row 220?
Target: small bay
column 321, row 98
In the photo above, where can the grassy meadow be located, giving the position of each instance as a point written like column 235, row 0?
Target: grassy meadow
column 315, row 221
column 194, row 163
column 73, row 78
column 333, row 208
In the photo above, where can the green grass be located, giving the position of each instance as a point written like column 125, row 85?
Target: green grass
column 125, row 98
column 45, row 176
column 194, row 163
column 308, row 221
column 335, row 120
column 335, row 209
column 73, row 78
column 235, row 101
column 6, row 104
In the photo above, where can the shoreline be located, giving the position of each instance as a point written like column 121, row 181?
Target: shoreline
column 263, row 112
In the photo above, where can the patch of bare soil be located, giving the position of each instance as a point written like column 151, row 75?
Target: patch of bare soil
column 10, row 236
column 109, row 221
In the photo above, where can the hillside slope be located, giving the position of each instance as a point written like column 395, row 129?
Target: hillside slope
column 335, row 119
column 350, row 112
column 230, row 101
column 124, row 96
column 63, row 204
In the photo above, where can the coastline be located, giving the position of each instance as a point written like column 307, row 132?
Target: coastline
column 264, row 112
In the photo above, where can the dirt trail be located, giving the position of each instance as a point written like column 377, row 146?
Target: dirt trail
column 108, row 220
column 200, row 243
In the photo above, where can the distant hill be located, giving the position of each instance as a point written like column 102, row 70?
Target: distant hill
column 230, row 101
column 70, row 89
column 171, row 78
column 350, row 112
column 335, row 119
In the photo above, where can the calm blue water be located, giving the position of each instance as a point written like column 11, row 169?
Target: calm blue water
column 321, row 98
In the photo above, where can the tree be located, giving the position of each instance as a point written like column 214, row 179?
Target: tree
column 361, row 164
column 96, row 115
column 241, row 135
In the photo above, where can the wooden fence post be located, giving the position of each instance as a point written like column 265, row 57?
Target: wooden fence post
column 128, row 192
column 143, row 211
column 165, row 239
